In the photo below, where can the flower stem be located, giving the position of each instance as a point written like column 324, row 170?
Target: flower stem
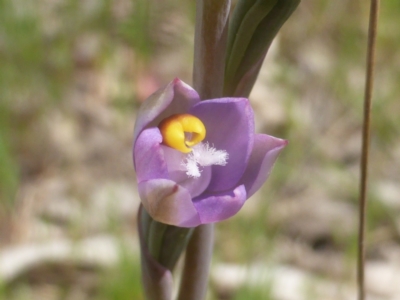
column 157, row 280
column 210, row 40
column 156, row 238
column 197, row 263
column 373, row 24
column 211, row 37
column 159, row 244
column 171, row 251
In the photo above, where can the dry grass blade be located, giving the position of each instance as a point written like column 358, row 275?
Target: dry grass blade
column 373, row 23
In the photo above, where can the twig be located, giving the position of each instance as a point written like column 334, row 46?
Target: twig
column 373, row 24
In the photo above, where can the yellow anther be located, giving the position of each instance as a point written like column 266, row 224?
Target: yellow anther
column 182, row 131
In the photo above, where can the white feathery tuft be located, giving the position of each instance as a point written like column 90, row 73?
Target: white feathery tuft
column 203, row 155
column 192, row 170
column 206, row 155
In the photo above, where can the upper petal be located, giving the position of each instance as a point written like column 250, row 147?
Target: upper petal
column 168, row 202
column 176, row 97
column 220, row 206
column 265, row 152
column 230, row 126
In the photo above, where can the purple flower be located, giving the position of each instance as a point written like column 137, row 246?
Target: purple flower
column 197, row 162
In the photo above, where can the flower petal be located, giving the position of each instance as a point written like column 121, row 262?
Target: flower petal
column 220, row 206
column 176, row 97
column 148, row 156
column 168, row 202
column 265, row 152
column 230, row 126
column 177, row 172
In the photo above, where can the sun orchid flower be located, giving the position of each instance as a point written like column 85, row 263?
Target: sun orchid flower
column 197, row 162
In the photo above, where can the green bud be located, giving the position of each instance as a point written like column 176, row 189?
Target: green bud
column 254, row 25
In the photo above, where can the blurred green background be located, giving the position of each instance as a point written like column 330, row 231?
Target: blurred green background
column 74, row 72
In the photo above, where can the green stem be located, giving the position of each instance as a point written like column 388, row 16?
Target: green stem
column 165, row 243
column 156, row 238
column 197, row 264
column 171, row 252
column 210, row 41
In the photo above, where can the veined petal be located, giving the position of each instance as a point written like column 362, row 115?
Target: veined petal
column 175, row 98
column 230, row 127
column 265, row 152
column 168, row 202
column 220, row 206
column 149, row 156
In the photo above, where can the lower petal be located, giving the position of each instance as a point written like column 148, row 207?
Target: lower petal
column 265, row 151
column 168, row 202
column 220, row 206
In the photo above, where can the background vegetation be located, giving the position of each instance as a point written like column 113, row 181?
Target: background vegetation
column 72, row 75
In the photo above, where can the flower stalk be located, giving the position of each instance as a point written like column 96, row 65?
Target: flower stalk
column 187, row 184
column 210, row 41
column 159, row 254
column 156, row 279
column 197, row 262
column 211, row 37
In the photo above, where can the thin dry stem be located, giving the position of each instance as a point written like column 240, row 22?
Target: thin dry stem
column 373, row 24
